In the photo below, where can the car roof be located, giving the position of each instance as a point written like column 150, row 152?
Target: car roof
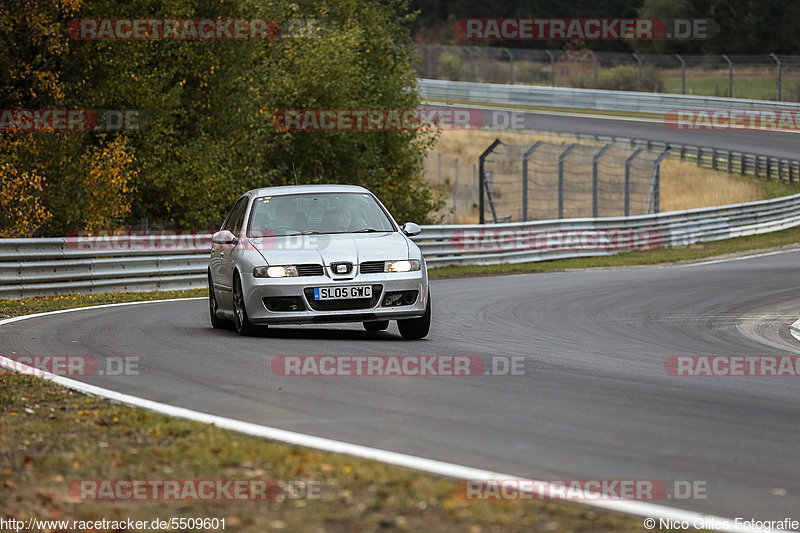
column 302, row 189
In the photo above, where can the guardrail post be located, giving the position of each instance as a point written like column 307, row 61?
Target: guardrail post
column 561, row 160
column 791, row 168
column 730, row 75
column 756, row 162
column 713, row 159
column 683, row 73
column 778, row 80
column 510, row 63
column 628, row 181
column 595, row 162
column 552, row 68
column 743, row 166
column 639, row 62
column 482, row 179
column 525, row 158
column 730, row 156
column 699, row 152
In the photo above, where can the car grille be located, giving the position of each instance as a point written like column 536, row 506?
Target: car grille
column 309, row 270
column 343, row 305
column 371, row 267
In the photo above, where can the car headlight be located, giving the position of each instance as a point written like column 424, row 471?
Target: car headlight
column 404, row 265
column 275, row 271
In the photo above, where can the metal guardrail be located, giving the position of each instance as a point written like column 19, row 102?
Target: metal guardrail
column 598, row 99
column 45, row 267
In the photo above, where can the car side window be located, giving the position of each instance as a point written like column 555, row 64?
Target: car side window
column 236, row 215
column 237, row 225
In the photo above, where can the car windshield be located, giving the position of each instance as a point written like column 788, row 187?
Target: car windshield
column 297, row 214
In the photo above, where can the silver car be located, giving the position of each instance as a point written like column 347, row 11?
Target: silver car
column 317, row 254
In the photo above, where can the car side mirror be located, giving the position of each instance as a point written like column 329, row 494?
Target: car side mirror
column 224, row 237
column 411, row 229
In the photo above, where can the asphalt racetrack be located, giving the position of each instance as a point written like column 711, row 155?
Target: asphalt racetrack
column 594, row 401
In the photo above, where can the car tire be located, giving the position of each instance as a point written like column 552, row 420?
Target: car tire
column 216, row 322
column 376, row 325
column 240, row 321
column 416, row 328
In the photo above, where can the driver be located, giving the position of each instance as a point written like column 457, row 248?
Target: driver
column 286, row 213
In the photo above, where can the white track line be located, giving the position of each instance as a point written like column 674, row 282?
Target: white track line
column 794, row 329
column 730, row 259
column 644, row 509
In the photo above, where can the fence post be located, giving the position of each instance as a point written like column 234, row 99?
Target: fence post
column 628, row 181
column 456, row 180
column 595, row 162
column 594, row 58
column 428, row 60
column 683, row 73
column 561, row 159
column 525, row 158
column 639, row 62
column 471, row 54
column 552, row 68
column 655, row 191
column 439, row 158
column 713, row 159
column 744, row 164
column 730, row 75
column 482, row 179
column 730, row 156
column 778, row 81
column 510, row 63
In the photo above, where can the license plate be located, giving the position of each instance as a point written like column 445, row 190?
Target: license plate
column 343, row 293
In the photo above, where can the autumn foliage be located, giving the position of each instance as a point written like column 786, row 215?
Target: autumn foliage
column 209, row 137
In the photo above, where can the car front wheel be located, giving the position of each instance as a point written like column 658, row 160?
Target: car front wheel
column 240, row 320
column 416, row 328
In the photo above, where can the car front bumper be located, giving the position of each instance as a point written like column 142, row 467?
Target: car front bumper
column 258, row 291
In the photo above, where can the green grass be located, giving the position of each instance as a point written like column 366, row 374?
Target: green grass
column 777, row 189
column 757, row 89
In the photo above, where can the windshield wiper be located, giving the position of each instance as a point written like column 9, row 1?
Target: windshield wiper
column 367, row 230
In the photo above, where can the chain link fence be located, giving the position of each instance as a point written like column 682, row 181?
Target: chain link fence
column 546, row 181
column 760, row 77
